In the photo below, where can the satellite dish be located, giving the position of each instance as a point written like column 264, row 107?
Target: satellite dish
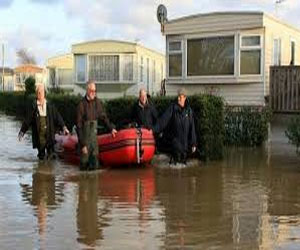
column 161, row 13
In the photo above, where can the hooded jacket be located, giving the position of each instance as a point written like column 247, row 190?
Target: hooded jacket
column 180, row 124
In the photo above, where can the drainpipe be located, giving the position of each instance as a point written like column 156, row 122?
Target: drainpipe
column 3, row 67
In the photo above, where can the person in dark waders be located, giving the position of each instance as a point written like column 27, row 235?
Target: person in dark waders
column 43, row 118
column 179, row 120
column 89, row 110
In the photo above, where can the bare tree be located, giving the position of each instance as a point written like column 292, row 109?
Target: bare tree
column 24, row 57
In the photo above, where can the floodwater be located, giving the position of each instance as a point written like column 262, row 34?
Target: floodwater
column 250, row 200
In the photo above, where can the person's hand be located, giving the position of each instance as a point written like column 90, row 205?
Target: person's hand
column 114, row 132
column 84, row 150
column 20, row 136
column 65, row 130
column 194, row 149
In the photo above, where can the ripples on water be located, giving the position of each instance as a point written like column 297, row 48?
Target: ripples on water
column 250, row 200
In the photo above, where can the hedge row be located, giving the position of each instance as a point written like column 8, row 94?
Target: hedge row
column 246, row 126
column 216, row 126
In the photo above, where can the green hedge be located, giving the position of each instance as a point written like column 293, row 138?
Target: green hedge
column 208, row 112
column 13, row 103
column 216, row 125
column 246, row 126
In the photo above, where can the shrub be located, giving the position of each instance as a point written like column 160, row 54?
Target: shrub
column 246, row 126
column 29, row 85
column 293, row 132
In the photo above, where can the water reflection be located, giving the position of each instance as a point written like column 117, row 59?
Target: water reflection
column 116, row 205
column 245, row 201
column 89, row 227
column 194, row 204
column 44, row 195
column 136, row 188
column 249, row 200
column 135, row 219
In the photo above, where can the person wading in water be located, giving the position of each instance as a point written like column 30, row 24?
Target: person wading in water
column 43, row 118
column 89, row 111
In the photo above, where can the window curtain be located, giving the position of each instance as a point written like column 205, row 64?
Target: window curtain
column 128, row 68
column 80, row 66
column 104, row 68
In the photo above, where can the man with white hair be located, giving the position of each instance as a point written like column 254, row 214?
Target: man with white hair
column 43, row 118
column 144, row 113
column 89, row 111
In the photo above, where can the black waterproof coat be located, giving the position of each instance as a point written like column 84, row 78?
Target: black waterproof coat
column 180, row 127
column 145, row 116
column 54, row 121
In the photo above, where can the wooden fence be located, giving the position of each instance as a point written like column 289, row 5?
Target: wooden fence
column 285, row 88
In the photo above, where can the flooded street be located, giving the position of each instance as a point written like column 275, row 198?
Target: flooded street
column 250, row 200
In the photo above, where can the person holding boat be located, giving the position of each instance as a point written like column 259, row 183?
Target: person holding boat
column 43, row 118
column 180, row 132
column 144, row 114
column 89, row 110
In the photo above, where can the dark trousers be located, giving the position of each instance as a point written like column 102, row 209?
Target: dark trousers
column 44, row 151
column 178, row 154
column 89, row 161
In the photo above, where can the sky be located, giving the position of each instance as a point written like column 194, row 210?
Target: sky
column 47, row 28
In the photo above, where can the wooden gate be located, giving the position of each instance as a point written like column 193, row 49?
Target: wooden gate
column 285, row 88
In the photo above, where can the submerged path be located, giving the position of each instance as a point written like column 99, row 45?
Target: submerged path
column 250, row 200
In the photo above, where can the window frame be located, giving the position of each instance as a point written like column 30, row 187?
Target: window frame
column 85, row 70
column 251, row 48
column 141, row 76
column 279, row 51
column 293, row 56
column 175, row 52
column 211, row 36
column 122, row 67
column 104, row 54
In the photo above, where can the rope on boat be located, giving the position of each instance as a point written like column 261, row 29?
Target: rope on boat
column 139, row 149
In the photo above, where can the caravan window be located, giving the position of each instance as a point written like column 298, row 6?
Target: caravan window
column 80, row 68
column 210, row 56
column 250, row 55
column 104, row 68
column 292, row 62
column 175, row 58
column 128, row 67
column 277, row 52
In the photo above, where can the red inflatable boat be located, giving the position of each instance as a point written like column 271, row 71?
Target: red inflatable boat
column 129, row 146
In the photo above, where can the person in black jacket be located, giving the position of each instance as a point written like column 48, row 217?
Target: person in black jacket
column 144, row 113
column 43, row 118
column 179, row 120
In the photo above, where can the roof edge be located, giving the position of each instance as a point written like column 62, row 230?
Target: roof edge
column 215, row 13
column 136, row 44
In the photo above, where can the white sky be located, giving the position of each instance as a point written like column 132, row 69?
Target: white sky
column 49, row 27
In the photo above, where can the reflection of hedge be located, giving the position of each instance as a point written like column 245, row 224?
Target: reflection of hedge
column 215, row 128
column 293, row 132
column 246, row 126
